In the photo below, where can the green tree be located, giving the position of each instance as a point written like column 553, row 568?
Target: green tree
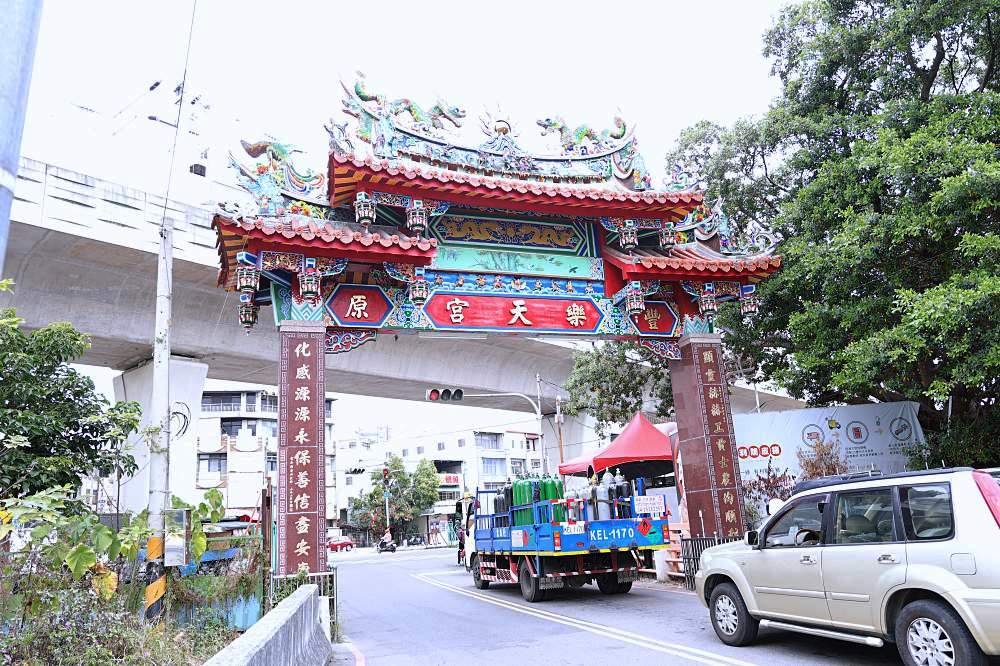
column 880, row 165
column 614, row 380
column 409, row 495
column 54, row 427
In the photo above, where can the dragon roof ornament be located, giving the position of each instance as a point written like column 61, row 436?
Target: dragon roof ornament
column 275, row 186
column 706, row 223
column 403, row 130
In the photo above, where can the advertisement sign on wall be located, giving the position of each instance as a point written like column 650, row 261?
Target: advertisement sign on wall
column 875, row 436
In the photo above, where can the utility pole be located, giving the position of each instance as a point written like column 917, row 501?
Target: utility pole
column 559, row 419
column 159, row 438
column 538, row 411
column 17, row 55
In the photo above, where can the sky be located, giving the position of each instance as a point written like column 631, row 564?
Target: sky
column 274, row 68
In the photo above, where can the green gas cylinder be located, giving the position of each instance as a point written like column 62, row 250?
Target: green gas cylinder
column 518, row 498
column 560, row 511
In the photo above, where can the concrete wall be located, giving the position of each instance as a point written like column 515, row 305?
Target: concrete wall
column 292, row 633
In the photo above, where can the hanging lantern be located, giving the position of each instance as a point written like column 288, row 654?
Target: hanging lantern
column 247, row 279
column 629, row 235
column 416, row 217
column 668, row 237
column 749, row 302
column 635, row 301
column 248, row 312
column 419, row 291
column 309, row 284
column 707, row 304
column 364, row 210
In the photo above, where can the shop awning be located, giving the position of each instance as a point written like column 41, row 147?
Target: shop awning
column 640, row 450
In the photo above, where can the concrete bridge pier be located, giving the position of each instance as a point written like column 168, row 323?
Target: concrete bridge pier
column 187, row 380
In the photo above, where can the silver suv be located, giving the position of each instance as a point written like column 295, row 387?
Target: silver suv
column 911, row 558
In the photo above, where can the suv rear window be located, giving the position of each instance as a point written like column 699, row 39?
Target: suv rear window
column 927, row 513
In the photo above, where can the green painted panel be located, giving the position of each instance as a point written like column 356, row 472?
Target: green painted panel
column 476, row 260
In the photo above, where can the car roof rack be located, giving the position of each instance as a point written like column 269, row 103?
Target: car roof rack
column 853, row 477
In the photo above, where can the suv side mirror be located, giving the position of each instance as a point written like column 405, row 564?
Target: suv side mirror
column 752, row 538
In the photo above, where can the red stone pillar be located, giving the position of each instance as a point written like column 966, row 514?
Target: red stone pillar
column 709, row 463
column 301, row 504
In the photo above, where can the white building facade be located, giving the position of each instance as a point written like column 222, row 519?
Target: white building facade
column 232, row 446
column 465, row 460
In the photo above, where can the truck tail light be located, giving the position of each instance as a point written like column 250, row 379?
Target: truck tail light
column 990, row 488
column 557, row 540
column 666, row 532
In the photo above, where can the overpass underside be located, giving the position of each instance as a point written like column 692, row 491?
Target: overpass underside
column 108, row 291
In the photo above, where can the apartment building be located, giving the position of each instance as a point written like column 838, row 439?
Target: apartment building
column 464, row 460
column 237, row 446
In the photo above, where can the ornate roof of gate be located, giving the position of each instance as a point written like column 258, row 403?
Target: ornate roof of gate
column 416, row 147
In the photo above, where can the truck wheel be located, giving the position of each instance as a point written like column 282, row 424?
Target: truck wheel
column 930, row 632
column 607, row 583
column 731, row 620
column 477, row 577
column 530, row 590
column 625, row 588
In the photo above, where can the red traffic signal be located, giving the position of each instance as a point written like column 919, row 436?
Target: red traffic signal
column 385, row 473
column 444, row 394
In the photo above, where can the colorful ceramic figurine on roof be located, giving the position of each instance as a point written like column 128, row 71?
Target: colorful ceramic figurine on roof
column 410, row 230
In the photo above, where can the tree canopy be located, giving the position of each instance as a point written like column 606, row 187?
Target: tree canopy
column 54, row 427
column 409, row 495
column 880, row 165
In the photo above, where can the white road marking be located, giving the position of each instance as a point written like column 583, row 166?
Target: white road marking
column 675, row 649
column 445, row 572
column 385, row 558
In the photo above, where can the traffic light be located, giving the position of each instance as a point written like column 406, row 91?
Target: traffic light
column 444, row 394
column 385, row 473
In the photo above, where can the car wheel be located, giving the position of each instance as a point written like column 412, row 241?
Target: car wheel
column 929, row 633
column 477, row 578
column 731, row 620
column 607, row 583
column 529, row 584
column 348, row 548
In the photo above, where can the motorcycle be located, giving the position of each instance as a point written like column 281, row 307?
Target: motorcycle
column 383, row 547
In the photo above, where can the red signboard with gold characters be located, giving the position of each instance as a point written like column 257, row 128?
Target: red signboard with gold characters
column 658, row 318
column 723, row 467
column 513, row 312
column 301, row 450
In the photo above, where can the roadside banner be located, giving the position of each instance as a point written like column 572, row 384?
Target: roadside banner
column 875, row 436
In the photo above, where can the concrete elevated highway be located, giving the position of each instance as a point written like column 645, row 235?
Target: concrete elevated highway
column 83, row 250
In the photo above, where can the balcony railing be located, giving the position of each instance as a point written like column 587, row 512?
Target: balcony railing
column 221, row 407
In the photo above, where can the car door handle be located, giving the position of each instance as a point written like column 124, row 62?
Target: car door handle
column 886, row 558
column 807, row 559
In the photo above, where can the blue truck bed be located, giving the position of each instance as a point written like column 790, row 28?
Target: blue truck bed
column 495, row 533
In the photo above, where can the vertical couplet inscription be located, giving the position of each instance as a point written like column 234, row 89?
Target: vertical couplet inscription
column 710, row 465
column 301, row 452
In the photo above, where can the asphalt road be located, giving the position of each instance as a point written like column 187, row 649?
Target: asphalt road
column 419, row 607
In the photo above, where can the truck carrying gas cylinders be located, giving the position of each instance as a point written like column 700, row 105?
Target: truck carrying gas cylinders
column 544, row 538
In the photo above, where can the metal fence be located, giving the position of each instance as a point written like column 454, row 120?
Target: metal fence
column 282, row 586
column 691, row 550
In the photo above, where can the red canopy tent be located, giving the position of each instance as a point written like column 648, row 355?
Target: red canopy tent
column 640, row 450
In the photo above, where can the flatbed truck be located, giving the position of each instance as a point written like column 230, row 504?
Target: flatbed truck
column 544, row 555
